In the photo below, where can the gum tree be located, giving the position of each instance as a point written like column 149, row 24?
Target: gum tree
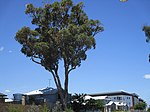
column 63, row 32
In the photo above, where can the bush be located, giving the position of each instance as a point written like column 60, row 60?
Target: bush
column 15, row 108
column 3, row 108
column 148, row 110
column 30, row 108
column 140, row 106
column 44, row 108
column 69, row 110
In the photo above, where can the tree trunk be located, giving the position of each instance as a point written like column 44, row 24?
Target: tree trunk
column 60, row 90
column 62, row 99
column 66, row 88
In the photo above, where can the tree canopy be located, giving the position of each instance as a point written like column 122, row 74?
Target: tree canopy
column 146, row 29
column 140, row 106
column 63, row 32
column 80, row 103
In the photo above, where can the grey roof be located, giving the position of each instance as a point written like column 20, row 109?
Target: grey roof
column 1, row 94
column 135, row 95
column 43, row 91
column 112, row 93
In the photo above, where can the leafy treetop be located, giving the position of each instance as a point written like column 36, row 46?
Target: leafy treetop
column 146, row 29
column 63, row 32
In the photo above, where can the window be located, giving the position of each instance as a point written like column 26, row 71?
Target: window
column 119, row 98
column 129, row 97
column 129, row 104
column 123, row 98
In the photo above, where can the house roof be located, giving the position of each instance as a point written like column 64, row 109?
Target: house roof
column 35, row 92
column 120, row 103
column 1, row 94
column 8, row 100
column 112, row 93
column 135, row 95
column 110, row 103
column 116, row 103
column 47, row 90
column 96, row 97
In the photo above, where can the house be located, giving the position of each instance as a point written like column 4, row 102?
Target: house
column 2, row 98
column 45, row 95
column 105, row 99
column 17, row 98
column 131, row 99
column 112, row 106
column 119, row 100
column 38, row 97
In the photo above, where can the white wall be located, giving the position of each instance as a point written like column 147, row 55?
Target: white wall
column 122, row 98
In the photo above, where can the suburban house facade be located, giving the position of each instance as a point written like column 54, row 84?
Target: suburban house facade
column 119, row 100
column 3, row 97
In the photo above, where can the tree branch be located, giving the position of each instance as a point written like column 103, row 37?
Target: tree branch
column 71, row 69
column 35, row 61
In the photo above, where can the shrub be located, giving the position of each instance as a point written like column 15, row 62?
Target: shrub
column 32, row 108
column 44, row 108
column 3, row 108
column 148, row 110
column 69, row 110
column 15, row 108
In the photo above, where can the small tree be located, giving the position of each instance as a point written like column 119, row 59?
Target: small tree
column 95, row 104
column 78, row 102
column 63, row 33
column 148, row 110
column 140, row 106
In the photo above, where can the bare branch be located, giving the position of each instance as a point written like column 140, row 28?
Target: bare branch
column 71, row 69
column 35, row 61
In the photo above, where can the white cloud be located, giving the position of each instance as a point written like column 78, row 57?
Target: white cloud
column 147, row 76
column 26, row 5
column 10, row 51
column 7, row 91
column 1, row 48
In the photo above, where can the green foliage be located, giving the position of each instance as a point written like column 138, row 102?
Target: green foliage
column 63, row 32
column 94, row 104
column 57, row 108
column 44, row 108
column 140, row 106
column 69, row 110
column 32, row 108
column 15, row 108
column 79, row 103
column 148, row 110
column 146, row 29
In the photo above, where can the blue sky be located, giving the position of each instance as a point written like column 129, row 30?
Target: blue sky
column 119, row 62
